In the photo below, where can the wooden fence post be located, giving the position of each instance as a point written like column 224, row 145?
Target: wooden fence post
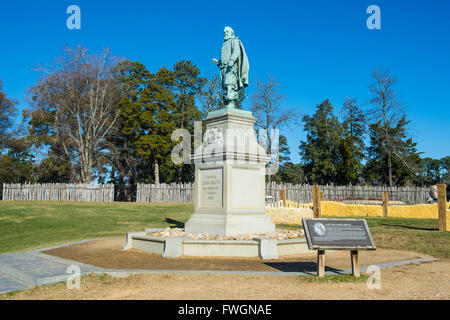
column 317, row 209
column 442, row 208
column 385, row 204
column 283, row 196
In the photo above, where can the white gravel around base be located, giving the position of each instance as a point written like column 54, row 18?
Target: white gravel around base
column 279, row 235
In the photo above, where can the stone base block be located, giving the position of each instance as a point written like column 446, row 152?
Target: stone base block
column 173, row 247
column 268, row 248
column 129, row 243
column 229, row 225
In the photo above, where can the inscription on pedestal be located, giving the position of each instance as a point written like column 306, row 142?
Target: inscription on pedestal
column 211, row 190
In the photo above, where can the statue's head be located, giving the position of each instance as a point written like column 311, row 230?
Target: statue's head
column 228, row 33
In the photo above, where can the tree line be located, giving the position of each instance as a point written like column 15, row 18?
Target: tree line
column 336, row 151
column 99, row 118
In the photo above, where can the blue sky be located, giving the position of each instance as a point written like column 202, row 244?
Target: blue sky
column 315, row 49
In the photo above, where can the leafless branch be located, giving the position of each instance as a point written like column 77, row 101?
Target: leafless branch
column 80, row 93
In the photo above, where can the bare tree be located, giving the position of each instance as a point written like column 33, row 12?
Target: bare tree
column 76, row 100
column 270, row 116
column 388, row 119
column 211, row 96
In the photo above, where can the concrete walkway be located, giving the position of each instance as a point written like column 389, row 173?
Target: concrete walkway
column 20, row 271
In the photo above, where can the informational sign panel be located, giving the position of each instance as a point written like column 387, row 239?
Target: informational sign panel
column 338, row 234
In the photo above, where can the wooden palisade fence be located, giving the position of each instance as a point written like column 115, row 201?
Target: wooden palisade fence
column 184, row 193
column 303, row 193
column 165, row 193
column 296, row 193
column 58, row 192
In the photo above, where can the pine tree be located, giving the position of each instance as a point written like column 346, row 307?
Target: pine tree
column 211, row 96
column 148, row 123
column 7, row 113
column 55, row 168
column 16, row 159
column 16, row 166
column 401, row 167
column 352, row 143
column 288, row 172
column 157, row 123
column 186, row 89
column 445, row 169
column 283, row 157
column 429, row 172
column 187, row 86
column 292, row 173
column 133, row 78
column 321, row 153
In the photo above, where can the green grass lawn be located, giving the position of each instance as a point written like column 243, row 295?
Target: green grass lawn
column 419, row 235
column 31, row 225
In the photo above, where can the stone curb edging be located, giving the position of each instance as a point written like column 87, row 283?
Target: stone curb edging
column 173, row 247
column 120, row 273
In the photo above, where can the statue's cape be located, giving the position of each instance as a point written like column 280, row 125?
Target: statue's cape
column 243, row 66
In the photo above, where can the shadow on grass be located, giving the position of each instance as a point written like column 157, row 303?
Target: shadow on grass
column 176, row 223
column 409, row 227
column 298, row 267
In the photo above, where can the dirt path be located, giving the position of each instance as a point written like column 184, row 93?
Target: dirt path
column 422, row 281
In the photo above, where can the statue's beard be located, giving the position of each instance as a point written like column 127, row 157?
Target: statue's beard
column 227, row 38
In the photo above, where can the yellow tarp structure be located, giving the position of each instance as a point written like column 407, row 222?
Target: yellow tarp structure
column 420, row 211
column 291, row 214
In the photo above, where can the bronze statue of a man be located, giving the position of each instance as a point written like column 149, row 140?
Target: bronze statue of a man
column 234, row 69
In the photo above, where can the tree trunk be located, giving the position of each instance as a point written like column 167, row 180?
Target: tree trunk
column 86, row 177
column 269, row 151
column 390, row 168
column 156, row 172
column 113, row 180
column 180, row 168
column 179, row 174
column 86, row 164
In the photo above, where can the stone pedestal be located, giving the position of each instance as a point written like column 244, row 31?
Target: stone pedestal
column 230, row 178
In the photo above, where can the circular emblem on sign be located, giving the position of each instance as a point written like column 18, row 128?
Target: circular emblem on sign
column 319, row 229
